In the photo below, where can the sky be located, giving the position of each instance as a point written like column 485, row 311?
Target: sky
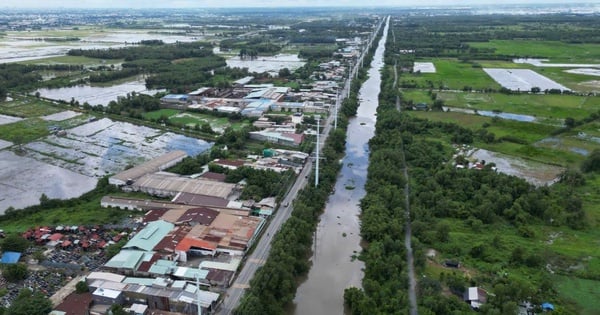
column 253, row 3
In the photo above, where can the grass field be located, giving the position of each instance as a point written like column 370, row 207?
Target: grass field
column 562, row 248
column 583, row 292
column 86, row 213
column 451, row 74
column 166, row 112
column 538, row 105
column 73, row 60
column 555, row 51
column 528, row 133
column 24, row 131
column 28, row 107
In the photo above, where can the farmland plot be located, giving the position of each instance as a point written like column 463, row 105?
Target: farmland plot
column 522, row 79
column 103, row 147
column 424, row 67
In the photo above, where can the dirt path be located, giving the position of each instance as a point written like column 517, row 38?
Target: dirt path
column 412, row 281
column 61, row 294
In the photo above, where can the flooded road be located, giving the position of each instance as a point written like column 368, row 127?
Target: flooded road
column 337, row 239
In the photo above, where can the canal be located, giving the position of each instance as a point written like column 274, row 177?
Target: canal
column 337, row 238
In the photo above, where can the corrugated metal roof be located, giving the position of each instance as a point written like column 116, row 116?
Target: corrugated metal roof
column 151, row 235
column 125, row 259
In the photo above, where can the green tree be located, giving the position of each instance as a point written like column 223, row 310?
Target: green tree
column 30, row 303
column 117, row 309
column 592, row 163
column 15, row 272
column 81, row 287
column 14, row 243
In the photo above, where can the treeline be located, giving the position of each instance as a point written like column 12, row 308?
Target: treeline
column 164, row 52
column 14, row 75
column 274, row 285
column 108, row 76
column 448, row 36
column 481, row 199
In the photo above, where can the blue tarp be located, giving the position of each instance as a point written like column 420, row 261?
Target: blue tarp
column 10, row 257
column 547, row 306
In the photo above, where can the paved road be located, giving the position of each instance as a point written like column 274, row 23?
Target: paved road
column 261, row 251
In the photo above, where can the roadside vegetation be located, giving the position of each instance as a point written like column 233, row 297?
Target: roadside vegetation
column 519, row 242
column 274, row 285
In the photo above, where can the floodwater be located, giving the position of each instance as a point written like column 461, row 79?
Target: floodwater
column 538, row 174
column 22, row 46
column 271, row 64
column 97, row 95
column 337, row 238
column 23, row 180
column 104, row 146
column 487, row 113
column 510, row 116
column 68, row 166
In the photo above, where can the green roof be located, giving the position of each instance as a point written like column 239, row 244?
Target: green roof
column 151, row 235
column 126, row 259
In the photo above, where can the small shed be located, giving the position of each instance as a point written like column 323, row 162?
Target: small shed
column 10, row 257
column 547, row 306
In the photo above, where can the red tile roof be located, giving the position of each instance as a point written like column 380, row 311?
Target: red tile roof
column 76, row 304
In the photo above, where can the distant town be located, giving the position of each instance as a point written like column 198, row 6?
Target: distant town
column 434, row 160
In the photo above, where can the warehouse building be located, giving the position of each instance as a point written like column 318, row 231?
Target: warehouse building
column 157, row 164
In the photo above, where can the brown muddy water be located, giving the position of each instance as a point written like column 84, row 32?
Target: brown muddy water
column 337, row 238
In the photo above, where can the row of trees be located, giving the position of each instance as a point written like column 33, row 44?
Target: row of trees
column 440, row 193
column 274, row 285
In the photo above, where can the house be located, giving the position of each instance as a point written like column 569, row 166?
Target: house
column 452, row 264
column 421, row 106
column 475, row 296
column 74, row 304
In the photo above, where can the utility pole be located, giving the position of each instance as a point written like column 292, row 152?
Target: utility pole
column 337, row 100
column 317, row 170
column 198, row 294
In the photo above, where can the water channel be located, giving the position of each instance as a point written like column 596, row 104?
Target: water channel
column 337, row 239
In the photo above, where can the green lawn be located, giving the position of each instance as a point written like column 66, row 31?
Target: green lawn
column 555, row 51
column 451, row 74
column 166, row 112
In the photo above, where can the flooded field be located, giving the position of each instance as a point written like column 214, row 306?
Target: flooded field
column 23, row 180
column 545, row 63
column 22, row 46
column 424, row 67
column 4, row 119
column 536, row 173
column 97, row 95
column 522, row 79
column 487, row 113
column 103, row 147
column 5, row 144
column 69, row 165
column 270, row 64
column 337, row 239
column 68, row 114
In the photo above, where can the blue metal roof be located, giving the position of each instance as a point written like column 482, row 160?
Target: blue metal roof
column 10, row 257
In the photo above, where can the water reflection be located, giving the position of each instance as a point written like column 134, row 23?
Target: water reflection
column 97, row 95
column 337, row 239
